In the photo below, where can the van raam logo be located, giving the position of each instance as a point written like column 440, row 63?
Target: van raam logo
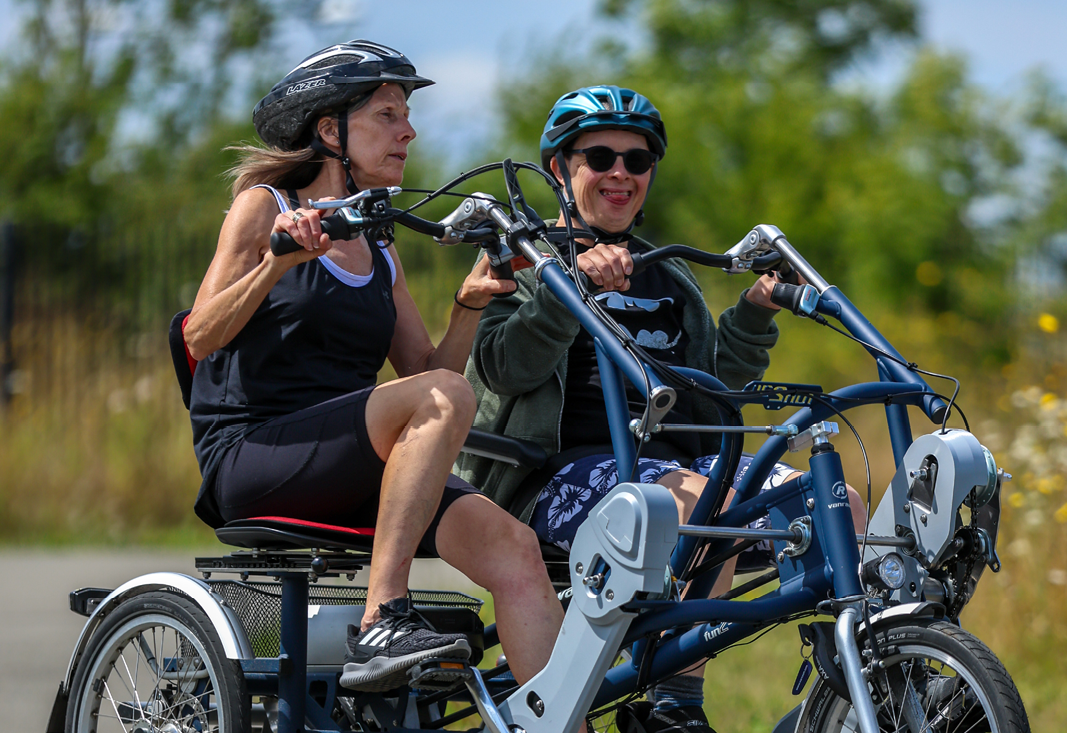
column 839, row 490
column 717, row 631
column 304, row 86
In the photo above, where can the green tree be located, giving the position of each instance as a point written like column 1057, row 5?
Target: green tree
column 889, row 194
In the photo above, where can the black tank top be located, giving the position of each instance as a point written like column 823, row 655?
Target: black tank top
column 320, row 333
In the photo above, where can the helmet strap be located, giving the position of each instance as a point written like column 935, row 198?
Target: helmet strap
column 599, row 235
column 342, row 138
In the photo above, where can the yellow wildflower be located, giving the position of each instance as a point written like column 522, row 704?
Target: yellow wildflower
column 1061, row 514
column 1048, row 323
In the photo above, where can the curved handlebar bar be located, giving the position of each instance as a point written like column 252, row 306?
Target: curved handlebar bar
column 347, row 224
column 642, row 260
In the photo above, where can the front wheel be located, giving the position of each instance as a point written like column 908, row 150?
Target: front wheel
column 937, row 678
column 156, row 666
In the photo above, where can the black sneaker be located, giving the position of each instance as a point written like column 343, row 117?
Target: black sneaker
column 379, row 658
column 689, row 719
column 642, row 717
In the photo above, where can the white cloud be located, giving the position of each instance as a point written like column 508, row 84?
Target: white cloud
column 341, row 11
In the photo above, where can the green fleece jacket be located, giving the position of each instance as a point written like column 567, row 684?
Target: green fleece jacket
column 518, row 368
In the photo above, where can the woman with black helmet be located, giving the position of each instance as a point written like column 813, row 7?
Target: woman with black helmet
column 287, row 419
column 603, row 144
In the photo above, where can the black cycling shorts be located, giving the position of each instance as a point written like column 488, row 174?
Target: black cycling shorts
column 317, row 464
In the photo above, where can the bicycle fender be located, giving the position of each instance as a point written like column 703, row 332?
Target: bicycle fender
column 923, row 609
column 234, row 641
column 820, row 636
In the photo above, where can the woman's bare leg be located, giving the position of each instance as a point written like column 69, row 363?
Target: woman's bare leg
column 417, row 426
column 502, row 555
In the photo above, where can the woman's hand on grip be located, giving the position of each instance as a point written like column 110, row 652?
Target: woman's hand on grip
column 480, row 286
column 608, row 266
column 305, row 227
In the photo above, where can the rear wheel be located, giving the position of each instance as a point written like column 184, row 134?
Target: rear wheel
column 156, row 665
column 937, row 679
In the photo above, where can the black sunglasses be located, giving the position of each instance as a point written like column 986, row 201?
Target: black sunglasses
column 601, row 158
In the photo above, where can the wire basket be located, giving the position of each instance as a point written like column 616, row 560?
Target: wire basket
column 259, row 606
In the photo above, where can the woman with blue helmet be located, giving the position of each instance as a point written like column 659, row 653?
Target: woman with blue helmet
column 604, row 143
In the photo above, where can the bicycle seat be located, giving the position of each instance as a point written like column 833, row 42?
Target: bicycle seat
column 286, row 533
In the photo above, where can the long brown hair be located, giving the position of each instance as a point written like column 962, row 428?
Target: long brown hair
column 272, row 166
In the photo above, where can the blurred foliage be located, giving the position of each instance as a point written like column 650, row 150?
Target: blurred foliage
column 923, row 199
column 939, row 209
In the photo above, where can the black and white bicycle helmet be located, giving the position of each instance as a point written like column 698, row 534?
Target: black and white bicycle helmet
column 329, row 80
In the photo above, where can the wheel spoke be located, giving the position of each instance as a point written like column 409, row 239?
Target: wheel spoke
column 133, row 679
column 934, row 678
column 111, row 699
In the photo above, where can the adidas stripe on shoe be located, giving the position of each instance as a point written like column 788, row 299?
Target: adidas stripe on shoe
column 378, row 659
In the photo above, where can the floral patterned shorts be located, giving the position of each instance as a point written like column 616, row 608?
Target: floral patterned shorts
column 569, row 496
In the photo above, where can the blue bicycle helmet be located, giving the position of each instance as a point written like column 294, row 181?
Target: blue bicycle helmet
column 601, row 108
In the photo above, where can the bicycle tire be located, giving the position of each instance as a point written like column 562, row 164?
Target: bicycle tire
column 121, row 685
column 938, row 678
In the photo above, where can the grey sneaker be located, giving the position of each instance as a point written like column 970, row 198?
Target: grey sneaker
column 378, row 659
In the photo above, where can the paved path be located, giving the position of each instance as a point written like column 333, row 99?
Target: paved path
column 38, row 630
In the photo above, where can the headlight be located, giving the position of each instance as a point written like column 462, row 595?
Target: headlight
column 886, row 572
column 983, row 493
column 891, row 571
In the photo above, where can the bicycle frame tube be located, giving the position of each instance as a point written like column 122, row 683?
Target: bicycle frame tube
column 720, row 624
column 896, row 417
column 774, row 448
column 562, row 287
column 618, row 410
column 721, row 475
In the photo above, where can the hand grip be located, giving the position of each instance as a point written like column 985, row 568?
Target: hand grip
column 639, row 263
column 333, row 226
column 502, row 271
column 787, row 296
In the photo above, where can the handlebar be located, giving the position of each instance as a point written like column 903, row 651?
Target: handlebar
column 480, row 218
column 336, row 227
column 642, row 260
column 348, row 224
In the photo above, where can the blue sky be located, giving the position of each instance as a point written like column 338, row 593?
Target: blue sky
column 469, row 46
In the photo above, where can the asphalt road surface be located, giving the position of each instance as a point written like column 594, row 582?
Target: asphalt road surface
column 38, row 630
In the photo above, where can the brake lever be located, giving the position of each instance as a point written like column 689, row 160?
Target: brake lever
column 363, row 197
column 468, row 215
column 745, row 251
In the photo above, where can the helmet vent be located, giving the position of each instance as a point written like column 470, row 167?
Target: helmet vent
column 605, row 102
column 347, row 58
column 567, row 117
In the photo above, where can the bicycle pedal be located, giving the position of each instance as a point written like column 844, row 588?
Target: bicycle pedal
column 438, row 674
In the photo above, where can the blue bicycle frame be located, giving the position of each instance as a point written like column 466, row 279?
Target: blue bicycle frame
column 829, row 567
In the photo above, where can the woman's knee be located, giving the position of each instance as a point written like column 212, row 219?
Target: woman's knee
column 686, row 487
column 514, row 552
column 450, row 392
column 858, row 508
